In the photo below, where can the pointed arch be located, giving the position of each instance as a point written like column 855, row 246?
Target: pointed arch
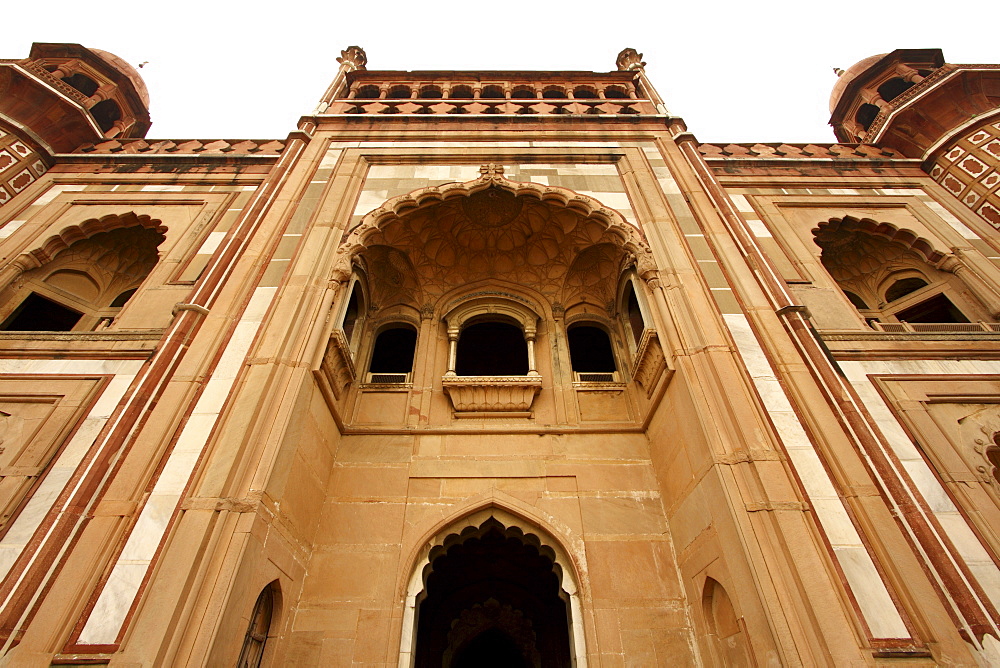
column 491, row 177
column 827, row 234
column 66, row 237
column 475, row 520
column 892, row 275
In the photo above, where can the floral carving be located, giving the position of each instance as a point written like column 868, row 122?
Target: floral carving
column 551, row 239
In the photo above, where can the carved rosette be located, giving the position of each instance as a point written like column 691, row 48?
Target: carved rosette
column 492, row 394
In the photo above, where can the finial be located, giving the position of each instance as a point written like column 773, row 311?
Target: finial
column 839, row 72
column 353, row 57
column 629, row 59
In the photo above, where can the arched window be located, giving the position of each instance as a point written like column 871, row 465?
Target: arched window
column 85, row 286
column 430, row 92
column 888, row 281
column 893, row 88
column 492, row 92
column 392, row 355
column 399, row 92
column 82, row 83
column 368, row 92
column 461, row 92
column 591, row 354
column 585, row 93
column 554, row 93
column 258, row 630
column 866, row 115
column 523, row 92
column 354, row 314
column 492, row 348
column 631, row 312
column 615, row 93
column 106, row 113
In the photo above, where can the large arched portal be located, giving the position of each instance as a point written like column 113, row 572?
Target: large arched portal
column 492, row 596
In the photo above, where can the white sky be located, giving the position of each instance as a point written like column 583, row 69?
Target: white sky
column 736, row 71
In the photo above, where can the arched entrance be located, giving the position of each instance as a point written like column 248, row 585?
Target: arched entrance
column 491, row 595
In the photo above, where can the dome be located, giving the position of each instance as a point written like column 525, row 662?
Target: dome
column 128, row 71
column 855, row 70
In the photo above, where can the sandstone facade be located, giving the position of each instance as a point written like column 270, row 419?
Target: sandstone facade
column 499, row 367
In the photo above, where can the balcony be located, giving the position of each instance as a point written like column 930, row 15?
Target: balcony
column 492, row 396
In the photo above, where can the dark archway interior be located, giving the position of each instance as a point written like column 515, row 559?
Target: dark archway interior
column 393, row 351
column 106, row 112
column 635, row 320
column 936, row 309
column 36, row 313
column 492, row 600
column 492, row 349
column 491, row 649
column 590, row 350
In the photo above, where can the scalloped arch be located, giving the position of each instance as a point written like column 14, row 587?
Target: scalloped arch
column 902, row 236
column 629, row 237
column 66, row 237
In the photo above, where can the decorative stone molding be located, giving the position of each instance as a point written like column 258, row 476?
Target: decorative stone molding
column 650, row 362
column 492, row 394
column 336, row 370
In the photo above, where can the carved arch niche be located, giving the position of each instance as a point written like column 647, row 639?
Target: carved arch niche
column 490, row 586
column 564, row 248
column 81, row 278
column 890, row 275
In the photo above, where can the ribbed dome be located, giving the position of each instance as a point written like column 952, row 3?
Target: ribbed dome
column 127, row 70
column 853, row 72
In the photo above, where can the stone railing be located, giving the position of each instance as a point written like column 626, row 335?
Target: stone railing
column 509, row 107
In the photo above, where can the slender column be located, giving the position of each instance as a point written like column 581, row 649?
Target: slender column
column 452, row 351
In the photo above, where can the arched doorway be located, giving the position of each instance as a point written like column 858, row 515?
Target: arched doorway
column 493, row 596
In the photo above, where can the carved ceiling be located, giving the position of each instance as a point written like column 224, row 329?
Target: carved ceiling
column 568, row 249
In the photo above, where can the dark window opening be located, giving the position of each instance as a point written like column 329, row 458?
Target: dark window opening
column 993, row 456
column 430, row 93
column 82, row 83
column 121, row 299
column 893, row 88
column 491, row 349
column 866, row 115
column 492, row 93
column 256, row 636
column 106, row 113
column 367, row 93
column 590, row 350
column 523, row 93
column 554, row 94
column 615, row 93
column 858, row 302
column 38, row 314
column 936, row 309
column 461, row 93
column 903, row 287
column 354, row 309
column 584, row 93
column 393, row 351
column 399, row 93
column 635, row 321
